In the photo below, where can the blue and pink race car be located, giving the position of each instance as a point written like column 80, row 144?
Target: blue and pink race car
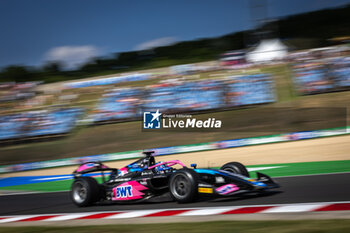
column 145, row 179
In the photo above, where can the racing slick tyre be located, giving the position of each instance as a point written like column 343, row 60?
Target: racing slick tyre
column 85, row 191
column 183, row 185
column 235, row 167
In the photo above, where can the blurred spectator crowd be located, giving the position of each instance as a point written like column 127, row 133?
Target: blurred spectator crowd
column 38, row 123
column 313, row 77
column 176, row 96
column 314, row 71
column 319, row 71
column 17, row 91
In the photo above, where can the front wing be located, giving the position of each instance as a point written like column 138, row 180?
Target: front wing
column 222, row 183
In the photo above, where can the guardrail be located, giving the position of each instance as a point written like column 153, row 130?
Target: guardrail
column 179, row 149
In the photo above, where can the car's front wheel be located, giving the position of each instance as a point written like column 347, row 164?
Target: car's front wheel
column 235, row 167
column 183, row 185
column 85, row 191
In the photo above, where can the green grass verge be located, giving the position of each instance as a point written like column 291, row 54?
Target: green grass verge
column 309, row 168
column 300, row 226
column 52, row 186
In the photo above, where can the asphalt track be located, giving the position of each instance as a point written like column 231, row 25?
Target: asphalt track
column 300, row 189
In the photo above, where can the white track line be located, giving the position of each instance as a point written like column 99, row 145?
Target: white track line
column 201, row 212
column 68, row 217
column 293, row 208
column 133, row 214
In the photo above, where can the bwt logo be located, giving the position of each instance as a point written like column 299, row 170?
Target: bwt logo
column 124, row 191
column 151, row 120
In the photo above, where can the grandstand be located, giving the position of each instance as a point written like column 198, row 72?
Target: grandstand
column 180, row 97
column 118, row 104
column 10, row 91
column 38, row 124
column 249, row 90
column 313, row 74
column 311, row 78
column 320, row 76
column 187, row 96
column 341, row 71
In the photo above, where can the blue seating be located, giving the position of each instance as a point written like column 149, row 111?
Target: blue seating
column 186, row 97
column 120, row 104
column 312, row 78
column 252, row 89
column 191, row 96
column 31, row 124
column 341, row 71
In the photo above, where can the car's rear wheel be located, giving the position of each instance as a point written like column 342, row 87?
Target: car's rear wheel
column 235, row 167
column 85, row 191
column 183, row 185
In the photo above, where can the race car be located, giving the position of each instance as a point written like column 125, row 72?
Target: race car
column 145, row 179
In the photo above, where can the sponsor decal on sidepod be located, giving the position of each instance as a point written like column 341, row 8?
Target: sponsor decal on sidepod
column 128, row 191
